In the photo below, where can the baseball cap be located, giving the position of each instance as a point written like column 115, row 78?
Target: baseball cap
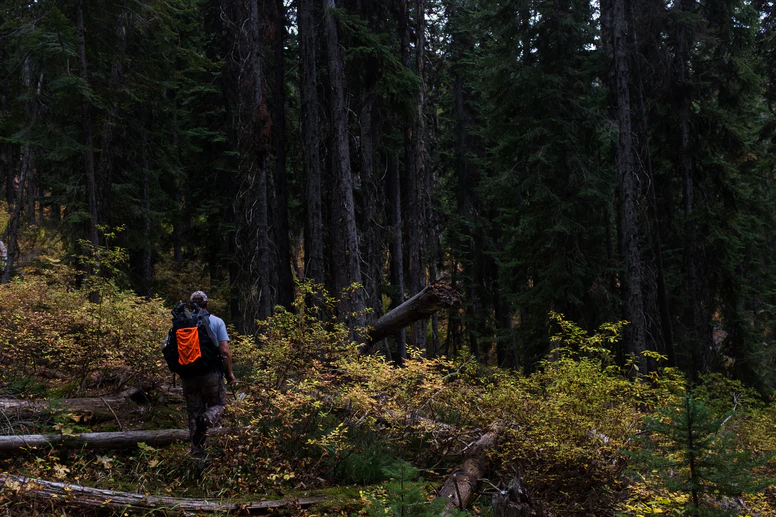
column 198, row 296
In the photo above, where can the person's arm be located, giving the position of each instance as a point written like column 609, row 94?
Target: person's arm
column 227, row 355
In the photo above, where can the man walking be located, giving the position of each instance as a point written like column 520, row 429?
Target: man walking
column 205, row 393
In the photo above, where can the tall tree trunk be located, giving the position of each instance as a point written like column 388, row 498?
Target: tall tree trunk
column 397, row 258
column 254, row 124
column 10, row 167
column 146, row 254
column 372, row 199
column 633, row 302
column 26, row 165
column 313, row 227
column 468, row 247
column 7, row 149
column 285, row 286
column 105, row 164
column 13, row 224
column 665, row 335
column 416, row 183
column 30, row 197
column 177, row 230
column 373, row 204
column 86, row 129
column 346, row 253
column 696, row 320
column 408, row 176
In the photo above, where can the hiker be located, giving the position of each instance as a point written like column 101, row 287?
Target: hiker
column 205, row 392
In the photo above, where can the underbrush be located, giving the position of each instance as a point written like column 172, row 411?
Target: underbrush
column 312, row 416
column 56, row 343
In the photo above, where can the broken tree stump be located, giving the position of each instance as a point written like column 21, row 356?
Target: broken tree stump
column 87, row 497
column 514, row 501
column 115, row 440
column 431, row 299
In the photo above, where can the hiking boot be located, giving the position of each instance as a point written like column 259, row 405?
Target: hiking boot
column 201, row 464
column 198, row 453
column 200, row 432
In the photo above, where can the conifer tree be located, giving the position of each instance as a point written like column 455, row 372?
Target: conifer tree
column 692, row 452
column 548, row 181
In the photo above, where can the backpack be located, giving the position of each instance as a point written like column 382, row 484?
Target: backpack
column 191, row 348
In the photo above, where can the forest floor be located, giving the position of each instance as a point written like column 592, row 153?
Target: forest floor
column 312, row 417
column 167, row 471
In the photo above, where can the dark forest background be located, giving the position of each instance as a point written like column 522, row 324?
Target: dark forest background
column 608, row 160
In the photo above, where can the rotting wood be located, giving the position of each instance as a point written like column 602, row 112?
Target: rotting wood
column 461, row 487
column 112, row 440
column 82, row 496
column 429, row 300
column 515, row 501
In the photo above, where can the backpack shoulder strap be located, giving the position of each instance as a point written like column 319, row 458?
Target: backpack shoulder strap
column 204, row 318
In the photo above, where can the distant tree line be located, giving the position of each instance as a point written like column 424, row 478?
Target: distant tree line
column 606, row 160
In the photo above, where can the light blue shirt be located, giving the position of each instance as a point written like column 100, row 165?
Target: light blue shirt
column 218, row 327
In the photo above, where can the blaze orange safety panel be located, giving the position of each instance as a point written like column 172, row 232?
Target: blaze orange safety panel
column 188, row 345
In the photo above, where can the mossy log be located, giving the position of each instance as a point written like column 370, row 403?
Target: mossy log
column 87, row 497
column 113, row 440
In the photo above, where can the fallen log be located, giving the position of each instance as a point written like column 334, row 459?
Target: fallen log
column 93, row 409
column 87, row 497
column 431, row 299
column 461, row 487
column 114, row 440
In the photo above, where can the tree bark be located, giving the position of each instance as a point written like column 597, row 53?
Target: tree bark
column 92, row 408
column 372, row 211
column 397, row 257
column 27, row 161
column 178, row 220
column 105, row 164
column 416, row 182
column 461, row 487
column 285, row 286
column 313, row 227
column 665, row 333
column 146, row 253
column 514, row 501
column 409, row 171
column 86, row 129
column 11, row 174
column 87, row 497
column 347, row 256
column 429, row 300
column 114, row 440
column 31, row 194
column 696, row 319
column 254, row 126
column 13, row 225
column 633, row 302
column 371, row 199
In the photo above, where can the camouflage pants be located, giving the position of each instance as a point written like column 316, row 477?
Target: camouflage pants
column 205, row 398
